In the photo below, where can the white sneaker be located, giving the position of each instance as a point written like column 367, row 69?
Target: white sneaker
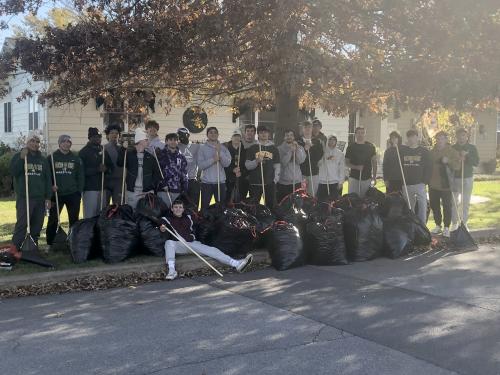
column 244, row 263
column 436, row 230
column 446, row 232
column 171, row 275
column 454, row 227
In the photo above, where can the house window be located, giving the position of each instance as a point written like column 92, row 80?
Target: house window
column 33, row 113
column 7, row 117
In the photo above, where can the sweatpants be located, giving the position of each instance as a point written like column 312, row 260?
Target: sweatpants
column 323, row 196
column 457, row 188
column 92, row 203
column 418, row 195
column 312, row 184
column 283, row 190
column 256, row 194
column 37, row 212
column 72, row 203
column 164, row 196
column 114, row 191
column 176, row 247
column 354, row 186
column 193, row 192
column 436, row 198
column 210, row 190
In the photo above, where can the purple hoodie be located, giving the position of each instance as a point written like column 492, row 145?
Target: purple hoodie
column 174, row 169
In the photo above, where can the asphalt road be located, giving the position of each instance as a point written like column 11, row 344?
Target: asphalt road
column 436, row 313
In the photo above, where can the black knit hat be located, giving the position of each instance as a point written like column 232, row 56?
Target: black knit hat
column 93, row 132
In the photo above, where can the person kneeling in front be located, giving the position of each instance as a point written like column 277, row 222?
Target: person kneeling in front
column 183, row 225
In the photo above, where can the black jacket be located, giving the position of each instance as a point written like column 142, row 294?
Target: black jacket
column 390, row 166
column 316, row 153
column 91, row 156
column 151, row 176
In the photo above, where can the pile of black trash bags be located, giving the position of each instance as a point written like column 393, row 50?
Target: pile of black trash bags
column 299, row 231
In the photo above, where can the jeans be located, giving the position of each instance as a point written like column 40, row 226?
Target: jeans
column 436, row 197
column 323, row 195
column 393, row 186
column 358, row 187
column 210, row 190
column 256, row 194
column 418, row 194
column 72, row 203
column 177, row 247
column 457, row 188
column 37, row 213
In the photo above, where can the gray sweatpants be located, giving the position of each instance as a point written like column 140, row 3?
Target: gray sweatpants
column 92, row 203
column 457, row 192
column 37, row 215
column 418, row 194
column 354, row 186
column 176, row 247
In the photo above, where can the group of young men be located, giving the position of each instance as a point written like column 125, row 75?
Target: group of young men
column 446, row 169
column 245, row 166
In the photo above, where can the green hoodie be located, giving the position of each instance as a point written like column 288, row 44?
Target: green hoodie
column 39, row 183
column 68, row 168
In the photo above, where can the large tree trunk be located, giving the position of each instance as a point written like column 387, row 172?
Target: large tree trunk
column 287, row 110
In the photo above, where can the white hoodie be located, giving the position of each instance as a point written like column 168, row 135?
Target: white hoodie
column 332, row 166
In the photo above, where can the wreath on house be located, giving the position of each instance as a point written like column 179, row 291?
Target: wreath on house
column 195, row 119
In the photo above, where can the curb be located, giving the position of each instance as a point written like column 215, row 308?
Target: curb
column 483, row 234
column 188, row 263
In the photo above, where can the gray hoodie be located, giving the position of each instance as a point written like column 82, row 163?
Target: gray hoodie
column 208, row 166
column 190, row 152
column 155, row 143
column 290, row 172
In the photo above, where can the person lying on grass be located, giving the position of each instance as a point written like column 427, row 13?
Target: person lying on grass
column 183, row 225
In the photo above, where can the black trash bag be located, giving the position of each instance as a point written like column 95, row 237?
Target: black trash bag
column 326, row 244
column 399, row 234
column 151, row 205
column 285, row 246
column 374, row 195
column 363, row 233
column 213, row 212
column 349, row 201
column 299, row 200
column 235, row 232
column 118, row 233
column 84, row 241
column 394, row 206
column 152, row 239
column 261, row 213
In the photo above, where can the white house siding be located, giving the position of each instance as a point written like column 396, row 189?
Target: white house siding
column 19, row 109
column 338, row 126
column 74, row 120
